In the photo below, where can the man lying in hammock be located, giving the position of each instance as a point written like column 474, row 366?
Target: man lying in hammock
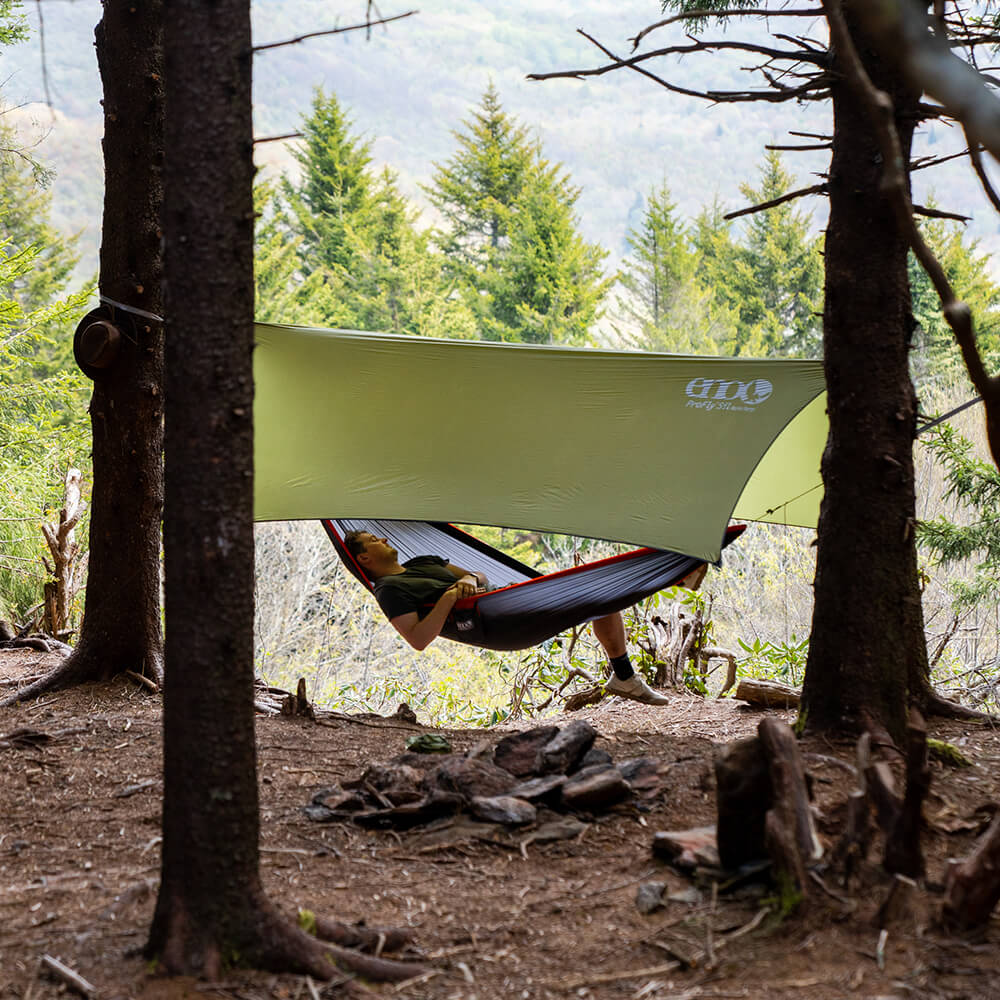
column 403, row 591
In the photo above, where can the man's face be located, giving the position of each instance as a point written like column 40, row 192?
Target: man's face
column 376, row 550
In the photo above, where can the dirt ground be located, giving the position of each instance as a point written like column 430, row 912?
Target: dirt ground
column 79, row 863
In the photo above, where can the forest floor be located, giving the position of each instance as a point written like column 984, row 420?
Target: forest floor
column 511, row 918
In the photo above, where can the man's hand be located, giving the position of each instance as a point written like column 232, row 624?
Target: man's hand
column 466, row 587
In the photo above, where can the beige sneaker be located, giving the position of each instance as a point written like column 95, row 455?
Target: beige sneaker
column 635, row 689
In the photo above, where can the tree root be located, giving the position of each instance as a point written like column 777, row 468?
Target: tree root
column 941, row 707
column 371, row 939
column 80, row 667
column 266, row 940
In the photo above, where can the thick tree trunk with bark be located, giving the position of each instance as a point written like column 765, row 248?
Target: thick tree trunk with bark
column 867, row 656
column 121, row 621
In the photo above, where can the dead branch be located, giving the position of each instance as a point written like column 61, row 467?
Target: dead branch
column 937, row 213
column 791, row 195
column 367, row 25
column 818, row 82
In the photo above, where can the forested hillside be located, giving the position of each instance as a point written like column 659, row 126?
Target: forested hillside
column 410, row 84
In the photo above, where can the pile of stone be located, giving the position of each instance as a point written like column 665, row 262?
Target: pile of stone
column 549, row 767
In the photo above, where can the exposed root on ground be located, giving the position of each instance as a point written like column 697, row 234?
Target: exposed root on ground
column 85, row 663
column 938, row 705
column 269, row 941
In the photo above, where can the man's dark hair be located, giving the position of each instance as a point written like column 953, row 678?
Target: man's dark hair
column 354, row 543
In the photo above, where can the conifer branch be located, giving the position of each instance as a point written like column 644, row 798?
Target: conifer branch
column 698, row 15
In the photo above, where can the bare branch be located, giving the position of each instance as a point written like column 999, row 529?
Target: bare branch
column 977, row 164
column 697, row 15
column 811, row 135
column 277, row 138
column 799, row 149
column 923, row 163
column 789, row 196
column 900, row 31
column 937, row 213
column 366, row 25
column 805, row 91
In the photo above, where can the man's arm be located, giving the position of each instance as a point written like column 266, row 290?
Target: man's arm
column 421, row 632
column 481, row 582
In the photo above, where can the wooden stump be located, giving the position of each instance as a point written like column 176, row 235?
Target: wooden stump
column 903, row 853
column 972, row 887
column 742, row 798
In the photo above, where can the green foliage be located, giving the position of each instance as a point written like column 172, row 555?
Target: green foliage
column 975, row 485
column 510, row 235
column 695, row 24
column 13, row 25
column 768, row 659
column 42, row 431
column 663, row 304
column 935, row 357
column 341, row 248
column 772, row 279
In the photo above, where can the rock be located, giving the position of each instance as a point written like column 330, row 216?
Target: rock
column 540, row 789
column 743, row 796
column 470, row 777
column 412, row 813
column 594, row 790
column 564, row 828
column 645, row 776
column 594, row 756
column 504, row 809
column 516, row 753
column 687, row 849
column 566, row 749
column 394, row 783
column 649, row 896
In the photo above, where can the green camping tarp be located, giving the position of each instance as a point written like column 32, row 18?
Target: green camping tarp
column 650, row 449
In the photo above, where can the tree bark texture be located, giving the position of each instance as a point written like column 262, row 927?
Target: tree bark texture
column 211, row 911
column 867, row 655
column 121, row 622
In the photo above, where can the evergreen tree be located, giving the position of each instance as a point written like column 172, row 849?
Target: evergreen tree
column 510, row 235
column 662, row 303
column 934, row 358
column 975, row 484
column 341, row 247
column 334, row 190
column 475, row 189
column 772, row 278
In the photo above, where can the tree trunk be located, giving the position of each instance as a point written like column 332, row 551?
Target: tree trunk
column 211, row 910
column 121, row 621
column 867, row 654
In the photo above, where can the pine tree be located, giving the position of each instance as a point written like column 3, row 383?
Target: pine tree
column 771, row 277
column 341, row 247
column 334, row 190
column 510, row 235
column 662, row 303
column 934, row 358
column 475, row 189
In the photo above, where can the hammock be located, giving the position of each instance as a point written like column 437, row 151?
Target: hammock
column 527, row 607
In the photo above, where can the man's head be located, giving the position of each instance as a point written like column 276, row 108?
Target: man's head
column 373, row 554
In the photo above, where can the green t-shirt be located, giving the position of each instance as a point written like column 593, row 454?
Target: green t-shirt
column 418, row 589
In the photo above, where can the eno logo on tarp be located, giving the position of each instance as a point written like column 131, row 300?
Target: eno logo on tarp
column 727, row 393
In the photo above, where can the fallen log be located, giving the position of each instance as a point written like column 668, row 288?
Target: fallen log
column 767, row 694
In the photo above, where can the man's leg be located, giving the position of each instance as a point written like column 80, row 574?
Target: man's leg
column 610, row 633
